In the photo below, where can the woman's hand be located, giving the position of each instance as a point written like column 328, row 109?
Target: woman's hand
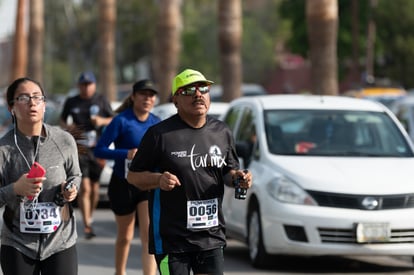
column 29, row 187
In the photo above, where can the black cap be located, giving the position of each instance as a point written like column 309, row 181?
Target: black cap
column 144, row 84
column 87, row 77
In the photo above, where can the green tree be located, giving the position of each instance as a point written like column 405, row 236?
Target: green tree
column 395, row 41
column 347, row 42
column 135, row 36
column 262, row 29
column 71, row 42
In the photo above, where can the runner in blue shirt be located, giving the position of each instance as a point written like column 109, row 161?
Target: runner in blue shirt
column 125, row 132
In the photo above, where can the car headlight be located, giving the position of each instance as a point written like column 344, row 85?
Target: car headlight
column 286, row 190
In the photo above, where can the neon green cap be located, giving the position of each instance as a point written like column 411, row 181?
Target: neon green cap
column 188, row 77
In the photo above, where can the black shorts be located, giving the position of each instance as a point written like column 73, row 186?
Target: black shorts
column 124, row 197
column 89, row 166
column 201, row 262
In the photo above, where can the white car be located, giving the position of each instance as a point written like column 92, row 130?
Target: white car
column 247, row 89
column 166, row 110
column 404, row 110
column 331, row 176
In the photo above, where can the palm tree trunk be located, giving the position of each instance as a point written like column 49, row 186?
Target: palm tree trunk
column 322, row 22
column 167, row 46
column 36, row 39
column 107, row 24
column 371, row 42
column 230, row 34
column 355, row 37
column 19, row 63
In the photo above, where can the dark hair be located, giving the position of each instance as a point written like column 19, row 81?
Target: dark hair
column 11, row 90
column 127, row 103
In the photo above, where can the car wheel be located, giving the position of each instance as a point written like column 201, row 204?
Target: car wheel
column 257, row 251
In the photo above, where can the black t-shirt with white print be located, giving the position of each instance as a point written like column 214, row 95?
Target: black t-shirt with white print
column 188, row 218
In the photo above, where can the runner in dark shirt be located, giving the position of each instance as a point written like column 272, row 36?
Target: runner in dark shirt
column 89, row 112
column 185, row 161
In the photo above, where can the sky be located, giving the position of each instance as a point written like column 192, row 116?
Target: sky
column 7, row 15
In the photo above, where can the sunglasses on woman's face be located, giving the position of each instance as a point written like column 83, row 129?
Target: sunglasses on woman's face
column 191, row 90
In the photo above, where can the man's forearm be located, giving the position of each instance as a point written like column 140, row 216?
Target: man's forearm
column 144, row 180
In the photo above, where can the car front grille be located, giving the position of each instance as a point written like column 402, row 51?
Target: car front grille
column 335, row 235
column 357, row 201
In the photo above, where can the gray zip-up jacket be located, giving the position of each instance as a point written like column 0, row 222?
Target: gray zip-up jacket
column 58, row 154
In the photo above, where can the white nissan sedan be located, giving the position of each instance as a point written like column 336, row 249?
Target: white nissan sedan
column 331, row 176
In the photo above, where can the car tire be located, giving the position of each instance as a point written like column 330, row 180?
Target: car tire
column 257, row 252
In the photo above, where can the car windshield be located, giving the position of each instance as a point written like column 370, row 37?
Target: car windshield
column 334, row 133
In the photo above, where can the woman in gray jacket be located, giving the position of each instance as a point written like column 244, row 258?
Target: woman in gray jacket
column 39, row 228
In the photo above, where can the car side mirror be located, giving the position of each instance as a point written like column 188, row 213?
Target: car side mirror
column 243, row 150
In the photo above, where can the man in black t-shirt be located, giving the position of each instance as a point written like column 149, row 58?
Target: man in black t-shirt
column 185, row 161
column 89, row 112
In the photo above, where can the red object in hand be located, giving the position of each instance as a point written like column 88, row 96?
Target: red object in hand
column 36, row 171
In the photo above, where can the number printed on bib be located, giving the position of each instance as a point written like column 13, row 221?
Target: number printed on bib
column 202, row 214
column 45, row 218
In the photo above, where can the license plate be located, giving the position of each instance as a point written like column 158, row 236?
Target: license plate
column 373, row 232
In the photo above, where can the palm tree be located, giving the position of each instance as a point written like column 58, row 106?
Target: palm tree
column 230, row 34
column 371, row 40
column 167, row 46
column 36, row 38
column 107, row 24
column 322, row 23
column 19, row 65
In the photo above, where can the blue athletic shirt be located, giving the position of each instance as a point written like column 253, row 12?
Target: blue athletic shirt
column 126, row 132
column 199, row 157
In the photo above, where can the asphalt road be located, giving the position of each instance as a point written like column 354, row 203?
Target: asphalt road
column 96, row 257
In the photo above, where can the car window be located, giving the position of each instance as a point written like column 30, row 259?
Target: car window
column 402, row 115
column 231, row 117
column 349, row 133
column 246, row 138
column 246, row 124
column 241, row 121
